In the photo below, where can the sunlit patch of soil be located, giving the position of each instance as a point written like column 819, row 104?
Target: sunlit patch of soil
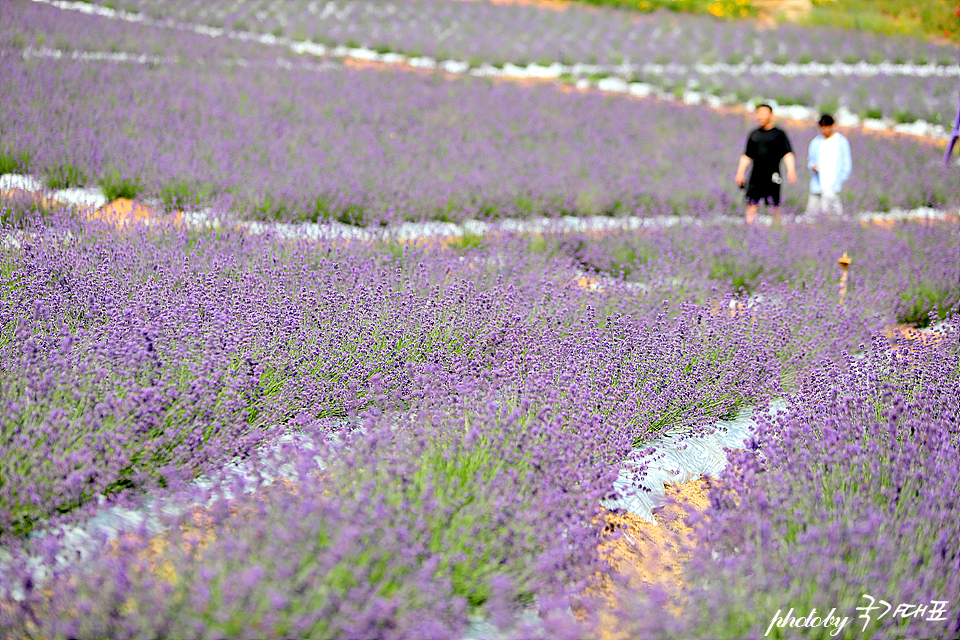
column 891, row 223
column 646, row 554
column 124, row 211
column 29, row 198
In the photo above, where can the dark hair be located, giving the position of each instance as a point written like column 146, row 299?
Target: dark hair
column 762, row 105
column 825, row 120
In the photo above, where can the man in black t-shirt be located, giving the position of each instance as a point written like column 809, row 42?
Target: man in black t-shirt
column 766, row 147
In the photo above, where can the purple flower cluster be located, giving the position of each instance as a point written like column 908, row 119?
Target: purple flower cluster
column 469, row 409
column 411, row 524
column 371, row 145
column 129, row 358
column 893, row 270
column 851, row 493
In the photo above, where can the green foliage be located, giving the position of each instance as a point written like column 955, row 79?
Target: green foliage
column 65, row 176
column 178, row 196
column 904, row 117
column 14, row 210
column 921, row 300
column 934, row 18
column 744, row 277
column 466, row 243
column 12, row 162
column 725, row 9
column 182, row 194
column 451, row 493
column 539, row 245
column 270, row 207
column 626, row 258
column 831, row 106
column 454, row 478
column 116, row 185
column 299, row 34
column 325, row 208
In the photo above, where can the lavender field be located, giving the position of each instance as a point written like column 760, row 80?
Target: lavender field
column 578, row 34
column 457, row 417
column 215, row 427
column 289, row 138
column 868, row 75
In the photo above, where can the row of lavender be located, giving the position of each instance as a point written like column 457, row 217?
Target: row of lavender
column 469, row 408
column 893, row 280
column 590, row 43
column 527, row 32
column 841, row 521
column 286, row 139
column 903, row 99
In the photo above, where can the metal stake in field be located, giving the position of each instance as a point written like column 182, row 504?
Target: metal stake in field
column 844, row 262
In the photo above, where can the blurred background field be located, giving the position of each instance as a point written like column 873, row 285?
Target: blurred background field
column 161, row 121
column 213, row 424
column 935, row 19
column 906, row 79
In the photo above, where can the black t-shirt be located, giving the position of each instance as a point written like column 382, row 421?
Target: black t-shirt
column 766, row 147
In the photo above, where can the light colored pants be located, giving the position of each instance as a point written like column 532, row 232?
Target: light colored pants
column 826, row 203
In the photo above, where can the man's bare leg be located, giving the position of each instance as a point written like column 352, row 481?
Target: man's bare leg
column 751, row 213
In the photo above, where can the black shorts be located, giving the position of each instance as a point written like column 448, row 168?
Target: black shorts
column 768, row 193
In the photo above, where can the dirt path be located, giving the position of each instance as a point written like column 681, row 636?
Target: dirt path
column 648, row 554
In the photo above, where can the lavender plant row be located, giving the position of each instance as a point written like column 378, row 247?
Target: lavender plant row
column 178, row 326
column 496, row 399
column 69, row 27
column 846, row 502
column 901, row 100
column 163, row 431
column 526, row 33
column 373, row 145
column 908, row 279
column 881, row 90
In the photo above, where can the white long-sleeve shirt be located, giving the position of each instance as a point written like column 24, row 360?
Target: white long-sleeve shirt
column 829, row 162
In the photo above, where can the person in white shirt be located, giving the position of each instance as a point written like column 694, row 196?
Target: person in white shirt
column 829, row 159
